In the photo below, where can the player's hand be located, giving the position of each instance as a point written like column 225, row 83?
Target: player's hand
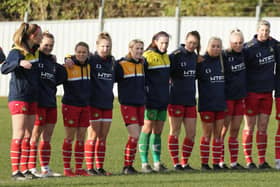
column 69, row 63
column 25, row 64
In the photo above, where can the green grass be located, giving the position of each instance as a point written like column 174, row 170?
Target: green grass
column 114, row 161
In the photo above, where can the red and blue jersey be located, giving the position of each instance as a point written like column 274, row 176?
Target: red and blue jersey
column 51, row 74
column 77, row 87
column 235, row 75
column 102, row 81
column 157, row 79
column 211, row 85
column 131, row 81
column 24, row 82
column 182, row 77
column 260, row 59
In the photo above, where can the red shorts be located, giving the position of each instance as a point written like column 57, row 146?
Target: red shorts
column 277, row 104
column 22, row 107
column 210, row 117
column 235, row 107
column 97, row 114
column 182, row 111
column 46, row 115
column 258, row 103
column 74, row 116
column 133, row 114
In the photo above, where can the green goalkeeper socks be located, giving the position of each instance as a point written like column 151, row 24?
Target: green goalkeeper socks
column 155, row 144
column 144, row 146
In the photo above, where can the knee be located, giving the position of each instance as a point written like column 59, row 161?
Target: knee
column 262, row 130
column 174, row 132
column 146, row 129
column 46, row 137
column 234, row 132
column 101, row 138
column 157, row 131
column 80, row 137
column 262, row 126
column 206, row 138
column 69, row 137
column 191, row 137
column 135, row 136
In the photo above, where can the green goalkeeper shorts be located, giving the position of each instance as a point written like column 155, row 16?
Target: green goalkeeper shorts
column 156, row 115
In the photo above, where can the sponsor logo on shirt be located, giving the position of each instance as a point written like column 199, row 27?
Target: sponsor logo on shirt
column 46, row 75
column 249, row 111
column 267, row 60
column 206, row 117
column 208, row 70
column 177, row 112
column 104, row 76
column 40, row 65
column 216, row 79
column 238, row 67
column 189, row 73
column 183, row 64
column 230, row 59
column 98, row 66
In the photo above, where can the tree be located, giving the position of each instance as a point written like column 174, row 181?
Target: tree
column 88, row 9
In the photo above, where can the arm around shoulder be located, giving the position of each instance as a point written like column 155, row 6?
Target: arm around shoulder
column 61, row 74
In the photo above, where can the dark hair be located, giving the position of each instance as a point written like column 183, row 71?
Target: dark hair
column 48, row 35
column 197, row 35
column 84, row 44
column 156, row 37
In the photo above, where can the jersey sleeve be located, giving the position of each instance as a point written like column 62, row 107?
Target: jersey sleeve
column 12, row 62
column 2, row 56
column 118, row 71
column 61, row 74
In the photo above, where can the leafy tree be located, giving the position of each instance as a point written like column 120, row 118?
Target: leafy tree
column 88, row 9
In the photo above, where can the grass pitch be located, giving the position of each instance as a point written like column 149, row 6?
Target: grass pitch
column 114, row 161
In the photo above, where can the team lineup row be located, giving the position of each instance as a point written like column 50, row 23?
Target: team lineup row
column 232, row 83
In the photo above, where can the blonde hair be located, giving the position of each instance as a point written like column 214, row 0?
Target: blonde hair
column 132, row 43
column 220, row 56
column 212, row 39
column 236, row 32
column 22, row 34
column 104, row 36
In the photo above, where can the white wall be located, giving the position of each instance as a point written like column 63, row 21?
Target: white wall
column 68, row 33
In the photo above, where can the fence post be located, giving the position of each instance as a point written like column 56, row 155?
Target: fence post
column 258, row 11
column 178, row 23
column 100, row 16
column 26, row 13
